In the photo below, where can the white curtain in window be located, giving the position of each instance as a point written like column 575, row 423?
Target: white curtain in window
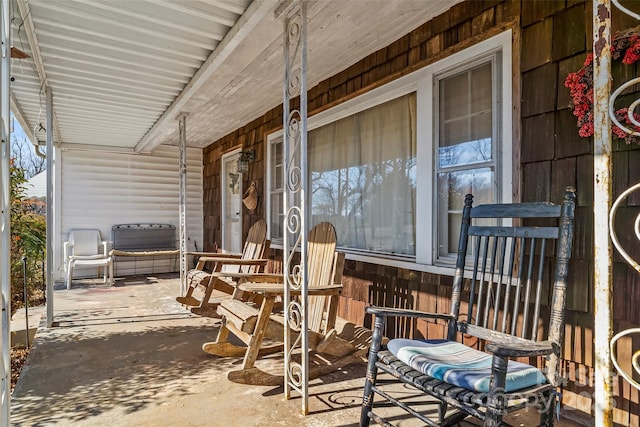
column 363, row 177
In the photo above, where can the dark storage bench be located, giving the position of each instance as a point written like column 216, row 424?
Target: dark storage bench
column 144, row 242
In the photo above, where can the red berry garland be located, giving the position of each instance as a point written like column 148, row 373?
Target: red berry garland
column 580, row 85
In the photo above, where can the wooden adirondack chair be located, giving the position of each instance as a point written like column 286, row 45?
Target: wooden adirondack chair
column 251, row 323
column 251, row 260
column 511, row 301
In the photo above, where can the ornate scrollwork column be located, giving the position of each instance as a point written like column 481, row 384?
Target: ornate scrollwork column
column 635, row 356
column 296, row 200
column 182, row 198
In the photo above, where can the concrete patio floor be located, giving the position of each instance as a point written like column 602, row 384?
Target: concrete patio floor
column 130, row 355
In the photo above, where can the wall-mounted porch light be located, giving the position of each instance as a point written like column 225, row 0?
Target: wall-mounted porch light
column 246, row 157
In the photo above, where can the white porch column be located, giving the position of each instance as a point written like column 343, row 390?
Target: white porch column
column 603, row 395
column 50, row 279
column 5, row 230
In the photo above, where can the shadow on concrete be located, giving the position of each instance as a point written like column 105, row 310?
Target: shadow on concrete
column 87, row 371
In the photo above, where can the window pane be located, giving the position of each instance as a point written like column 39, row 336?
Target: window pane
column 466, row 120
column 276, row 217
column 481, row 130
column 455, row 132
column 363, row 177
column 481, row 88
column 452, row 188
column 276, row 186
column 277, row 168
column 456, row 91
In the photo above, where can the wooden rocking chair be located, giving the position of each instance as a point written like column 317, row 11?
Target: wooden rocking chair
column 251, row 324
column 512, row 300
column 217, row 276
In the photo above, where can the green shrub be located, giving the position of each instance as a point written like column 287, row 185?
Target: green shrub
column 28, row 239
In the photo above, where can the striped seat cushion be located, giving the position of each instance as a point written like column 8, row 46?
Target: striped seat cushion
column 459, row 365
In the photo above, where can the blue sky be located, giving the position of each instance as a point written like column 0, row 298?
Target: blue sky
column 17, row 129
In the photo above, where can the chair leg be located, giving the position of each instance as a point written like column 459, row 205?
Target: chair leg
column 206, row 307
column 547, row 413
column 217, row 284
column 372, row 372
column 253, row 348
column 207, row 293
column 110, row 267
column 188, row 299
column 70, row 266
column 442, row 411
column 221, row 346
column 496, row 402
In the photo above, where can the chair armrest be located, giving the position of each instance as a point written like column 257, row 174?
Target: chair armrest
column 220, row 260
column 67, row 249
column 266, row 288
column 256, row 277
column 234, row 261
column 105, row 247
column 400, row 312
column 321, row 290
column 277, row 288
column 522, row 349
column 215, row 255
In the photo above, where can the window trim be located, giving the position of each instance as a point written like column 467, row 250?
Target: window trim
column 422, row 82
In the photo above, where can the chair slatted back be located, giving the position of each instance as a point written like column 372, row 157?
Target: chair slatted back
column 322, row 269
column 255, row 247
column 85, row 242
column 506, row 270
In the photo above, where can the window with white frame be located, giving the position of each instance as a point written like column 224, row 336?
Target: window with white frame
column 390, row 168
column 466, row 142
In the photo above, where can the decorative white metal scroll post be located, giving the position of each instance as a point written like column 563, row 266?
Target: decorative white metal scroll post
column 601, row 203
column 5, row 260
column 182, row 205
column 295, row 198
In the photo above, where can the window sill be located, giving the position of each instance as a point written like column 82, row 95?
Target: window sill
column 406, row 262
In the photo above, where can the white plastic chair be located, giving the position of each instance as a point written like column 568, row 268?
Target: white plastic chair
column 87, row 249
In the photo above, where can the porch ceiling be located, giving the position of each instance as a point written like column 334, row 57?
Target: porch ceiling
column 120, row 72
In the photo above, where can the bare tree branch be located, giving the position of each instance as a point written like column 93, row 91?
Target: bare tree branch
column 25, row 157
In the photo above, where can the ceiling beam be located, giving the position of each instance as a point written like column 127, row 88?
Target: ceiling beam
column 25, row 14
column 255, row 13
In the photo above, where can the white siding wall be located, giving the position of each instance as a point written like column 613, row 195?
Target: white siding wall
column 99, row 190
